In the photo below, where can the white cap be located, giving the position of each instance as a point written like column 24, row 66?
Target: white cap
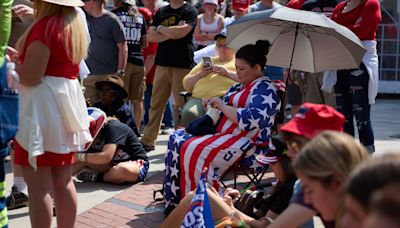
column 214, row 2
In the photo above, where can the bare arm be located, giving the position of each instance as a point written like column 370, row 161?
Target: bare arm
column 175, row 32
column 32, row 71
column 144, row 42
column 103, row 157
column 122, row 55
column 198, row 72
column 149, row 62
column 229, row 111
column 294, row 216
column 155, row 36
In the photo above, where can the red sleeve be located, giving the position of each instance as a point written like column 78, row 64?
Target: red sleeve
column 39, row 33
column 295, row 4
column 151, row 49
column 368, row 20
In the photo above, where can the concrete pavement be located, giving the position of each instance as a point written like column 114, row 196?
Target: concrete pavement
column 386, row 124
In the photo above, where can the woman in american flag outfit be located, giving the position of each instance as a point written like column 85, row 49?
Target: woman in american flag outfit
column 247, row 113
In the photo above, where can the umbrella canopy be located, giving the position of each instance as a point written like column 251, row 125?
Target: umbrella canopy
column 301, row 40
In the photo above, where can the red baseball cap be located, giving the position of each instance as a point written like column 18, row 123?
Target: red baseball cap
column 148, row 16
column 314, row 118
column 241, row 5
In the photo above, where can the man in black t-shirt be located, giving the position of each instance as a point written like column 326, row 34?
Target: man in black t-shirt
column 116, row 156
column 136, row 37
column 172, row 28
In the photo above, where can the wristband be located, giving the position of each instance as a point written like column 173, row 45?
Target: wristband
column 158, row 28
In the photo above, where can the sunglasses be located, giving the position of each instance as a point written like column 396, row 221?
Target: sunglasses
column 293, row 145
column 221, row 45
column 108, row 91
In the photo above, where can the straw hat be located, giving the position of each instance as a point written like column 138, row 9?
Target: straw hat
column 71, row 3
column 114, row 81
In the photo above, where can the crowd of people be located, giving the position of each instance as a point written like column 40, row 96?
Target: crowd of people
column 96, row 85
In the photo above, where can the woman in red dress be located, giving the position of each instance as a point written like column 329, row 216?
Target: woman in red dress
column 53, row 119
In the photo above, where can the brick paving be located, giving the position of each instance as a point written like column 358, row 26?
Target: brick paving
column 135, row 207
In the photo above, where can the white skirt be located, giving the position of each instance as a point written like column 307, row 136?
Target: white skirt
column 52, row 117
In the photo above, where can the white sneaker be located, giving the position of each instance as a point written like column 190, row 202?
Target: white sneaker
column 167, row 131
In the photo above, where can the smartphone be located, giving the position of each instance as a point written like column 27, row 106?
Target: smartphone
column 207, row 61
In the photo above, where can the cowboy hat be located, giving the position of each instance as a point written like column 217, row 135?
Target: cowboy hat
column 70, row 3
column 114, row 81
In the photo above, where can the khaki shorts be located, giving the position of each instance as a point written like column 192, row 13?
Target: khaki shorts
column 134, row 81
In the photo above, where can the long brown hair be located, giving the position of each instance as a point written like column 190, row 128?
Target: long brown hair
column 75, row 42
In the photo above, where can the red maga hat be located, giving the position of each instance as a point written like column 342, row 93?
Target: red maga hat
column 314, row 118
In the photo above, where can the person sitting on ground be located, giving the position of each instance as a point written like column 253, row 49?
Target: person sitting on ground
column 239, row 123
column 323, row 167
column 305, row 125
column 116, row 156
column 111, row 100
column 364, row 181
column 265, row 210
column 206, row 81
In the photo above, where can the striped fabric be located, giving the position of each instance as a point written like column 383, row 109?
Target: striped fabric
column 186, row 157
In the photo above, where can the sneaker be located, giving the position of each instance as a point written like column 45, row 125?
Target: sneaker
column 87, row 175
column 167, row 131
column 16, row 199
column 147, row 148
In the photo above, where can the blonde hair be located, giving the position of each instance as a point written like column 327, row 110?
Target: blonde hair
column 329, row 154
column 75, row 42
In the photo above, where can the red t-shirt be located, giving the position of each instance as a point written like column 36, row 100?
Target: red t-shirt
column 295, row 4
column 151, row 49
column 363, row 20
column 50, row 32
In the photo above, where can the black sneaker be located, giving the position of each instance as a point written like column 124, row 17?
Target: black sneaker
column 16, row 199
column 147, row 148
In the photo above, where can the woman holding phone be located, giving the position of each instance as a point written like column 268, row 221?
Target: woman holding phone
column 210, row 78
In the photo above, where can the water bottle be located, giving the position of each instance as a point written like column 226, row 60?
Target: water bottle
column 12, row 78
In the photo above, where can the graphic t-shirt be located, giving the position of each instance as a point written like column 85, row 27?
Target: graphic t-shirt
column 134, row 29
column 106, row 32
column 129, row 147
column 179, row 52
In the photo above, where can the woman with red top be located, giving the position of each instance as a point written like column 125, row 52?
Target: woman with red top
column 356, row 89
column 53, row 120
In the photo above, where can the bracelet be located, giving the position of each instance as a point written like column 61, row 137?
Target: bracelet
column 82, row 157
column 270, row 220
column 158, row 28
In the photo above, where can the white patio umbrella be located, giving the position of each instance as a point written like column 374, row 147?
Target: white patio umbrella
column 301, row 40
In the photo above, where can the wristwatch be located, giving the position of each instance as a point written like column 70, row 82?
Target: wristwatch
column 120, row 72
column 158, row 28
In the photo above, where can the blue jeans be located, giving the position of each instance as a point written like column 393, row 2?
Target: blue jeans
column 8, row 128
column 351, row 91
column 168, row 118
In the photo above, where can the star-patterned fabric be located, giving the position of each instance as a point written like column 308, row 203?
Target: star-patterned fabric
column 257, row 104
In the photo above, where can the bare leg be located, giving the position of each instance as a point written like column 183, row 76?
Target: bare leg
column 122, row 172
column 39, row 188
column 219, row 210
column 64, row 196
column 138, row 111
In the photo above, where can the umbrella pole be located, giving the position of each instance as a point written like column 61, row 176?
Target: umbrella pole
column 289, row 72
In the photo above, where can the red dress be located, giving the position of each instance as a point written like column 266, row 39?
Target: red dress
column 49, row 31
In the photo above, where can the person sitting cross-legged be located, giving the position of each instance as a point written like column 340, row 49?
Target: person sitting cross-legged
column 116, row 156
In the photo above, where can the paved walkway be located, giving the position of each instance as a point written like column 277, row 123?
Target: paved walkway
column 104, row 205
